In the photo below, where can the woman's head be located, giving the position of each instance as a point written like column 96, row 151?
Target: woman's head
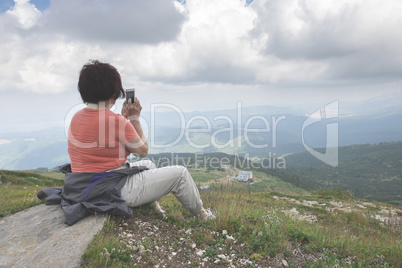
column 99, row 82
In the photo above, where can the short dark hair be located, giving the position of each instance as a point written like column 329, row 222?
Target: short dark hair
column 99, row 82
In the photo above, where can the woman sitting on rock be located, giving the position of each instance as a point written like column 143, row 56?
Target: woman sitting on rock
column 99, row 141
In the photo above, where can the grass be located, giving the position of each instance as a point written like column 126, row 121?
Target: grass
column 256, row 221
column 225, row 179
column 18, row 190
column 105, row 250
column 336, row 193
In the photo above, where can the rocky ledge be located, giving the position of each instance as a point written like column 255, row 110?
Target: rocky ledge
column 38, row 237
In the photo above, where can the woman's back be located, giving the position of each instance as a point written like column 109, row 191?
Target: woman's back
column 96, row 139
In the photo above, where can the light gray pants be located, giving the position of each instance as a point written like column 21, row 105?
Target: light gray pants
column 150, row 185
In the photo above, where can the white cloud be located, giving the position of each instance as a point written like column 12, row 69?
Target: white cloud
column 286, row 42
column 298, row 48
column 25, row 12
column 213, row 46
column 350, row 39
column 38, row 64
column 110, row 21
column 46, row 56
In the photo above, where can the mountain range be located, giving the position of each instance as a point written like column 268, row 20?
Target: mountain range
column 257, row 131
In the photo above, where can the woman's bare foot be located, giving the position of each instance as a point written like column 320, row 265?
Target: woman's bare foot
column 159, row 209
column 157, row 206
column 202, row 214
column 206, row 214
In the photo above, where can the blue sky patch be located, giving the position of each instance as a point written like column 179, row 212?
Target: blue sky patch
column 41, row 4
column 8, row 4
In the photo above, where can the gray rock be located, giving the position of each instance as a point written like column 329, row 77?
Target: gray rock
column 38, row 237
column 141, row 249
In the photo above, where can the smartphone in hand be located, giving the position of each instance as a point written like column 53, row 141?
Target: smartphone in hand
column 130, row 94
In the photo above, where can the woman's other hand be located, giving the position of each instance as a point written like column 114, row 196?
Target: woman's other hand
column 132, row 111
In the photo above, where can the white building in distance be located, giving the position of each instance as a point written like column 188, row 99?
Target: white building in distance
column 204, row 187
column 245, row 176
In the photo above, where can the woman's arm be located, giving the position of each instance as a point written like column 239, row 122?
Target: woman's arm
column 139, row 145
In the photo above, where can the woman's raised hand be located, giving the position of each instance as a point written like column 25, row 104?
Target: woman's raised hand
column 132, row 111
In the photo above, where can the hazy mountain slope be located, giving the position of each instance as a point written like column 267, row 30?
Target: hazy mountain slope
column 229, row 131
column 22, row 154
column 369, row 171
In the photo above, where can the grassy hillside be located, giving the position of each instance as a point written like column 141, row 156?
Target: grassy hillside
column 255, row 229
column 43, row 151
column 18, row 189
column 263, row 224
column 224, row 179
column 352, row 153
column 370, row 171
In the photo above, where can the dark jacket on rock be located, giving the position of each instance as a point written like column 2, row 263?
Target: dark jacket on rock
column 88, row 193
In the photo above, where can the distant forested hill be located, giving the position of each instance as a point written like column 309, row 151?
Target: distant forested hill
column 369, row 171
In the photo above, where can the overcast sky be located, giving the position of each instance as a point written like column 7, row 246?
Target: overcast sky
column 200, row 54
